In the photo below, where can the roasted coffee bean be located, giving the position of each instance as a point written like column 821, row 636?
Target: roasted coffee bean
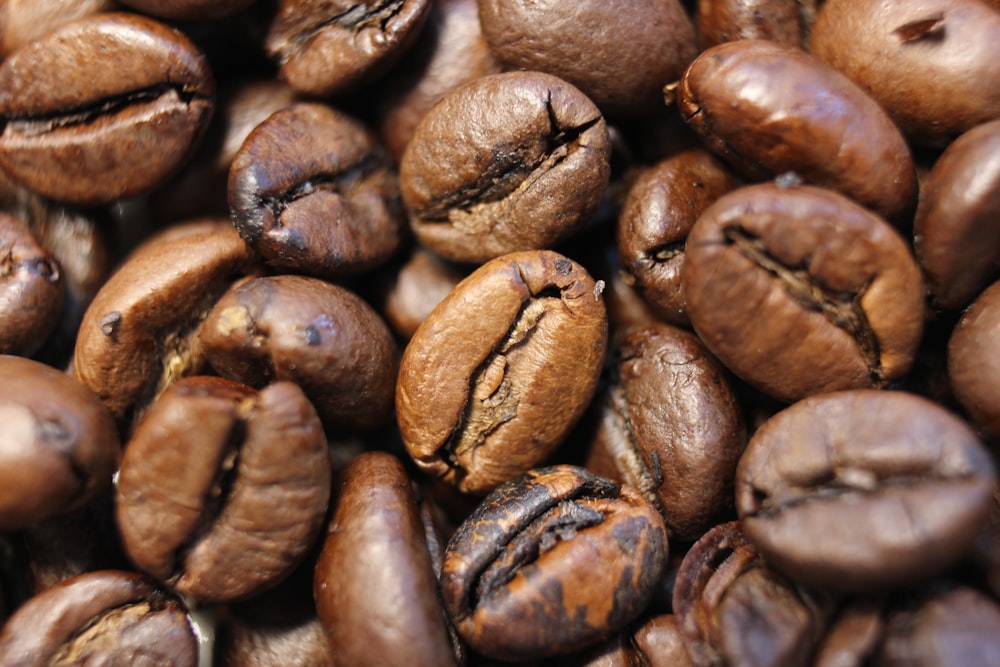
column 108, row 617
column 782, row 21
column 854, row 634
column 223, row 490
column 933, row 65
column 799, row 291
column 551, row 562
column 320, row 336
column 659, row 642
column 498, row 374
column 508, row 162
column 312, row 191
column 956, row 240
column 23, row 21
column 757, row 104
column 662, row 207
column 412, row 292
column 620, row 54
column 864, row 490
column 31, row 289
column 188, row 10
column 972, row 359
column 140, row 332
column 334, row 46
column 375, row 557
column 733, row 609
column 59, row 447
column 671, row 428
column 82, row 129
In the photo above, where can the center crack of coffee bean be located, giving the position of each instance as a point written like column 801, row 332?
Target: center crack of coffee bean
column 100, row 636
column 353, row 19
column 842, row 309
column 622, row 447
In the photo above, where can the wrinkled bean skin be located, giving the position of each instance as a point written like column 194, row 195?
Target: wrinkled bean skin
column 754, row 103
column 863, row 490
column 31, row 289
column 972, row 361
column 933, row 65
column 551, row 562
column 498, row 374
column 782, row 21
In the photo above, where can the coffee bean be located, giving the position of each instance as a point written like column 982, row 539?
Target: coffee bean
column 81, row 129
column 189, row 10
column 782, row 21
column 23, row 21
column 971, row 359
column 420, row 284
column 551, row 562
column 498, row 374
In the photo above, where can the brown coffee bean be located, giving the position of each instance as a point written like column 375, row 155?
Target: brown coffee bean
column 412, row 292
column 82, row 129
column 769, row 109
column 312, row 191
column 972, row 360
column 864, row 490
column 498, row 374
column 31, row 289
column 188, row 10
column 60, row 445
column 551, row 562
column 854, row 634
column 223, row 490
column 508, row 162
column 782, row 21
column 334, row 46
column 304, row 330
column 107, row 617
column 375, row 589
column 23, row 21
column 799, row 291
column 933, row 65
column 956, row 239
column 662, row 207
column 620, row 54
column 140, row 332
column 659, row 642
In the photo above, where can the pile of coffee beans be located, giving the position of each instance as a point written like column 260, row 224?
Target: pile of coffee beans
column 476, row 332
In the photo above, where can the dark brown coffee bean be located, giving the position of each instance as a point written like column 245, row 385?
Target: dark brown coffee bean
column 502, row 369
column 375, row 589
column 864, row 489
column 107, row 617
column 853, row 635
column 415, row 290
column 82, row 129
column 662, row 207
column 551, row 562
column 23, row 21
column 782, row 21
column 31, row 289
column 973, row 358
column 312, row 191
column 769, row 109
column 223, row 490
column 60, row 445
column 320, row 336
column 620, row 54
column 933, row 65
column 188, row 10
column 956, row 239
column 334, row 46
column 799, row 291
column 671, row 428
column 508, row 162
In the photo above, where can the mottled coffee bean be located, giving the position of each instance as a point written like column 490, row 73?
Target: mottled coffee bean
column 782, row 21
column 671, row 428
column 318, row 335
column 59, row 444
column 23, row 21
column 188, row 10
column 799, row 291
column 662, row 207
column 757, row 104
column 551, row 562
column 933, row 65
column 108, row 617
column 223, row 490
column 335, row 46
column 956, row 239
column 864, row 489
column 620, row 54
column 31, row 289
column 83, row 129
column 733, row 609
column 313, row 192
column 375, row 589
column 140, row 332
column 498, row 374
column 973, row 358
column 508, row 162
column 451, row 51
column 419, row 285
